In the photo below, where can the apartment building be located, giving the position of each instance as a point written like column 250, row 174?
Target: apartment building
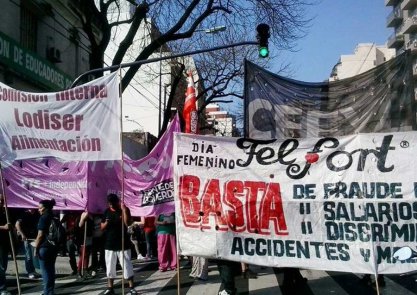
column 365, row 57
column 41, row 45
column 220, row 123
column 403, row 20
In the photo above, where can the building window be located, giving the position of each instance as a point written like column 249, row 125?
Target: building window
column 28, row 29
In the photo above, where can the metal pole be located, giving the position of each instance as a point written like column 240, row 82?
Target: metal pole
column 165, row 98
column 151, row 60
column 160, row 92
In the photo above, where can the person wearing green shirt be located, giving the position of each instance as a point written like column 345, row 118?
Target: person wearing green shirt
column 167, row 249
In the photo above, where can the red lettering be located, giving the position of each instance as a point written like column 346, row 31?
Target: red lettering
column 78, row 119
column 261, row 203
column 38, row 120
column 252, row 199
column 55, row 123
column 271, row 209
column 27, row 120
column 190, row 205
column 212, row 205
column 42, row 119
column 78, row 93
column 235, row 217
column 68, row 122
column 16, row 117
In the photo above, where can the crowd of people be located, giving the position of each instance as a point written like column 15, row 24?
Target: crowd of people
column 100, row 244
column 97, row 239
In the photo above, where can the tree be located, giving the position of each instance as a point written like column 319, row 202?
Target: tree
column 178, row 23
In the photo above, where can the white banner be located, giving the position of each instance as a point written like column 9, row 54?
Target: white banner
column 78, row 124
column 340, row 204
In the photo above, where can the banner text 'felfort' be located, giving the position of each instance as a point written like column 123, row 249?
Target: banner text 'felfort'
column 344, row 203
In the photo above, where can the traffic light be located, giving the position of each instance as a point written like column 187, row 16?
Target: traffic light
column 263, row 36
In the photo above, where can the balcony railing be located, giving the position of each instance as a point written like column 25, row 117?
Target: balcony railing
column 412, row 45
column 395, row 41
column 410, row 25
column 408, row 4
column 395, row 18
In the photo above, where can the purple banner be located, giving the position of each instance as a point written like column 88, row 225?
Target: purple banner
column 148, row 182
column 29, row 181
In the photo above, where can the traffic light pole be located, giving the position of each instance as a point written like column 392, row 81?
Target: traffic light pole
column 151, row 60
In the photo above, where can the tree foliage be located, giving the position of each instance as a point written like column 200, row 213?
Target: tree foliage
column 179, row 25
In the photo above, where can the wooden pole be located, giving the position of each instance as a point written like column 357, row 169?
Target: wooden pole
column 123, row 180
column 178, row 275
column 83, row 254
column 376, row 283
column 10, row 232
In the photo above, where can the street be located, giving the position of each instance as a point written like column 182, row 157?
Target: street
column 149, row 280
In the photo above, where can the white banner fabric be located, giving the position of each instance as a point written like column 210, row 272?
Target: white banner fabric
column 339, row 204
column 78, row 124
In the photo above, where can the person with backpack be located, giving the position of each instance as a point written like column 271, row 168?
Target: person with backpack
column 46, row 244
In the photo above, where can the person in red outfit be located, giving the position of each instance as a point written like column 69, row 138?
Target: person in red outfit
column 149, row 228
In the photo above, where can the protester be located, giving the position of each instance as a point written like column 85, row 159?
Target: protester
column 5, row 227
column 97, row 248
column 85, row 225
column 45, row 250
column 134, row 232
column 199, row 269
column 28, row 232
column 115, row 222
column 247, row 273
column 366, row 280
column 69, row 220
column 167, row 249
column 149, row 229
column 293, row 279
column 227, row 270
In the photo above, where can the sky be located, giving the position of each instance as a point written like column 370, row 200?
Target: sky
column 338, row 26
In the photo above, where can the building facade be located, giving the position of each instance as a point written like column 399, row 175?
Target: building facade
column 403, row 20
column 365, row 57
column 220, row 123
column 42, row 48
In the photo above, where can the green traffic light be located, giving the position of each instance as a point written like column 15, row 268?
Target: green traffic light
column 263, row 52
